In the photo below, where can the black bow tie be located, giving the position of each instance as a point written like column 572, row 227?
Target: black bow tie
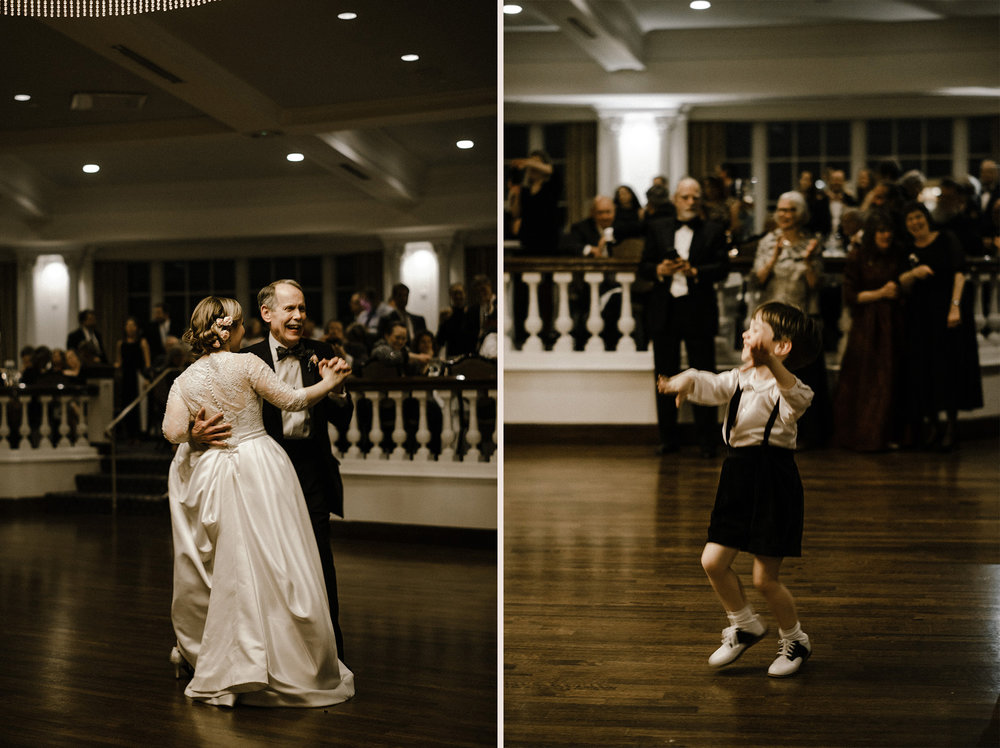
column 299, row 351
column 691, row 223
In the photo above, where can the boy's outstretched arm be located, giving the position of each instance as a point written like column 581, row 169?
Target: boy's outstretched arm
column 681, row 384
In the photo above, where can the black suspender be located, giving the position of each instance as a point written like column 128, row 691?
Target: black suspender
column 734, row 405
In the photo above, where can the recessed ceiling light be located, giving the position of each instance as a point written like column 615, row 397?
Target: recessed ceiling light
column 295, row 157
column 91, row 168
column 347, row 16
column 410, row 58
column 22, row 97
column 511, row 9
column 465, row 144
column 700, row 5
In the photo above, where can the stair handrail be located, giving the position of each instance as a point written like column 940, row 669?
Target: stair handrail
column 110, row 429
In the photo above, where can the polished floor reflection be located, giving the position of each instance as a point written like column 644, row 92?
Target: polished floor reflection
column 85, row 605
column 609, row 619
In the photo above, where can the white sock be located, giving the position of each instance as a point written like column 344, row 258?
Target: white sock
column 795, row 633
column 747, row 620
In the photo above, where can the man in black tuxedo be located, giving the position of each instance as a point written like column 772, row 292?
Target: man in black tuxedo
column 396, row 313
column 87, row 333
column 683, row 258
column 302, row 435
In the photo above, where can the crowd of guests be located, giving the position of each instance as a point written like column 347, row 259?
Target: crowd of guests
column 385, row 332
column 910, row 359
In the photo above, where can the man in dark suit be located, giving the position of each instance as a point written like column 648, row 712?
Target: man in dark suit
column 395, row 312
column 302, row 435
column 683, row 258
column 87, row 333
column 158, row 332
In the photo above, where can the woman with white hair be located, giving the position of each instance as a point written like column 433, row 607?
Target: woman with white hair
column 788, row 267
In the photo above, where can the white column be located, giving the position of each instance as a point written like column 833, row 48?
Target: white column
column 376, row 434
column 960, row 147
column 758, row 156
column 423, row 433
column 398, row 432
column 354, row 433
column 608, row 167
column 447, row 431
column 472, row 435
column 533, row 322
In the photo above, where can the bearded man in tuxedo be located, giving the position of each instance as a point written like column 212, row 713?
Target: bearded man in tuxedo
column 684, row 257
column 303, row 435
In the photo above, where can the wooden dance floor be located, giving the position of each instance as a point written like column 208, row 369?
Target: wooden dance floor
column 85, row 606
column 609, row 619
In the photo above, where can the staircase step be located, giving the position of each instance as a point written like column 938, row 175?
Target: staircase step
column 130, row 483
column 91, row 501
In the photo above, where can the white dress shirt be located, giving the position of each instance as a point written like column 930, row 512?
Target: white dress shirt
column 682, row 243
column 289, row 371
column 760, row 393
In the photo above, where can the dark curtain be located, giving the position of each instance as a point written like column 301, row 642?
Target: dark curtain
column 581, row 169
column 706, row 148
column 111, row 303
column 481, row 261
column 8, row 313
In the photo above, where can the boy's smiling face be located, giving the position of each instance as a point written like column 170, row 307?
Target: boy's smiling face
column 758, row 335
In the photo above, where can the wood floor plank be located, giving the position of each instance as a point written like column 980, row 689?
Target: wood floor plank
column 609, row 619
column 85, row 605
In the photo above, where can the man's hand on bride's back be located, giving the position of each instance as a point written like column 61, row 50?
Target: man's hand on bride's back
column 210, row 432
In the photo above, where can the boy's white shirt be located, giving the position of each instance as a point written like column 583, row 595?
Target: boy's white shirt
column 759, row 395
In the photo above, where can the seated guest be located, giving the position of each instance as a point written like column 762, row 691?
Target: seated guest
column 593, row 236
column 27, row 353
column 392, row 349
column 41, row 364
column 87, row 333
column 356, row 344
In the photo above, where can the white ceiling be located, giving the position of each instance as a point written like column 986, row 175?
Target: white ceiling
column 566, row 59
column 205, row 157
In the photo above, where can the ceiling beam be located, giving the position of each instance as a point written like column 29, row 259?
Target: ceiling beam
column 614, row 41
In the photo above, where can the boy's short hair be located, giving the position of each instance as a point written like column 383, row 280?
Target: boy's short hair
column 790, row 323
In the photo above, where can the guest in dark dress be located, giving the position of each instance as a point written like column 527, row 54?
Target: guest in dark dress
column 132, row 360
column 865, row 408
column 941, row 358
column 628, row 214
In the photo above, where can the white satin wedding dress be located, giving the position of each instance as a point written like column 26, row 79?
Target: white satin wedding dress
column 249, row 607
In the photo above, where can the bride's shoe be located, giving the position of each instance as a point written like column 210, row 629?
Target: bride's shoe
column 180, row 664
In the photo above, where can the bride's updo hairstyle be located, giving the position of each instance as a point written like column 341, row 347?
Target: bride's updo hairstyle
column 211, row 323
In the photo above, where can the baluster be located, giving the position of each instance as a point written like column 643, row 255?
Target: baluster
column 63, row 442
column 354, row 432
column 533, row 322
column 4, row 427
column 508, row 315
column 447, row 432
column 496, row 422
column 398, row 432
column 564, row 322
column 472, row 436
column 423, row 453
column 626, row 323
column 83, row 402
column 594, row 322
column 45, row 429
column 376, row 434
column 25, row 430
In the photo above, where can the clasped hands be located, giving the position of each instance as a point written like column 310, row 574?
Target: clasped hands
column 678, row 265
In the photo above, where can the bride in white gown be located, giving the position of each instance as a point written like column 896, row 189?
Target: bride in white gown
column 249, row 605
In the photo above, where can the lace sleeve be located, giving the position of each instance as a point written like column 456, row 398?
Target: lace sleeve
column 266, row 383
column 177, row 417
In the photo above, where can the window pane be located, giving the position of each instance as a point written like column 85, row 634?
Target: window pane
column 555, row 141
column 909, row 164
column 224, row 277
column 779, row 179
column 838, row 139
column 200, row 277
column 175, row 276
column 260, row 273
column 138, row 277
column 984, row 137
column 939, row 137
column 808, row 143
column 138, row 307
column 515, row 141
column 739, row 138
column 779, row 139
column 879, row 137
column 939, row 167
column 908, row 134
column 310, row 272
